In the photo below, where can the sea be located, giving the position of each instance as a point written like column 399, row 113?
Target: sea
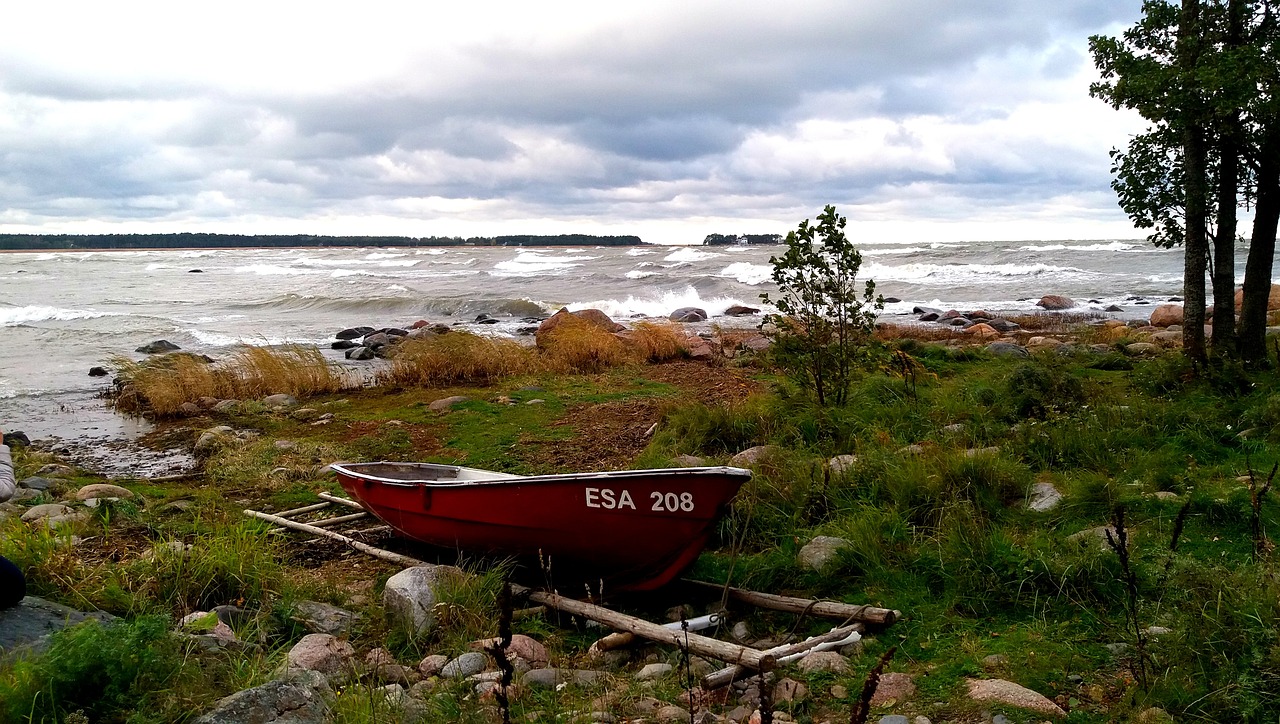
column 62, row 313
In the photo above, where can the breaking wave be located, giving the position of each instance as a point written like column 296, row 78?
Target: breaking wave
column 14, row 316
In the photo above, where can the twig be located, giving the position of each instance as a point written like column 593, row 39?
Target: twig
column 862, row 707
column 1120, row 544
column 498, row 650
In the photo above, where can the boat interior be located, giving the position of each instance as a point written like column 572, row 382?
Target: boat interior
column 420, row 472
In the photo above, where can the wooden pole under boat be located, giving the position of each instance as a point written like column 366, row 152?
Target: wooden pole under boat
column 362, row 547
column 340, row 500
column 746, row 657
column 725, row 676
column 826, row 609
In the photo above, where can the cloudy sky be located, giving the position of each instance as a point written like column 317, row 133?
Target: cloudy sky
column 918, row 119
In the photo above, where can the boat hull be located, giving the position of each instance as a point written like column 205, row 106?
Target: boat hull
column 637, row 529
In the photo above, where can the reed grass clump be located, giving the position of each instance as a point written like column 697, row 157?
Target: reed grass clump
column 457, row 358
column 657, row 341
column 578, row 346
column 161, row 385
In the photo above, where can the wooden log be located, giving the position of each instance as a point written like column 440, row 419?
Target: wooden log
column 340, row 500
column 725, row 676
column 362, row 547
column 825, row 609
column 746, row 657
column 328, row 522
column 304, row 509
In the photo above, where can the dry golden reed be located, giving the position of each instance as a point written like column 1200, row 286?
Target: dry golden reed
column 161, row 385
column 576, row 345
column 456, row 358
column 657, row 341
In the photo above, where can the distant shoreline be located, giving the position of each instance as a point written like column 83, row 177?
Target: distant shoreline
column 188, row 241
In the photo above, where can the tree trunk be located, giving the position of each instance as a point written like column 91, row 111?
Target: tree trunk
column 1224, row 243
column 1196, row 249
column 1262, row 249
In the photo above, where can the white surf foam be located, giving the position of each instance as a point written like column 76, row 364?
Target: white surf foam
column 531, row 263
column 952, row 274
column 640, row 252
column 687, row 254
column 659, row 305
column 14, row 316
column 747, row 273
column 216, row 339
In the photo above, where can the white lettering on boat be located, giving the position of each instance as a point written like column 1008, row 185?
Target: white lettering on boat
column 610, row 499
column 670, row 502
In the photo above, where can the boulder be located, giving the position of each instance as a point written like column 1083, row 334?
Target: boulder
column 445, row 403
column 689, row 461
column 410, row 597
column 376, row 340
column 739, row 310
column 159, row 346
column 344, row 344
column 1273, row 301
column 35, row 482
column 45, row 511
column 999, row 691
column 319, row 617
column 841, row 464
column 468, row 664
column 653, row 671
column 212, row 439
column 823, row 661
column 361, row 354
column 1043, row 497
column 1054, row 302
column 323, row 653
column 280, row 400
column 753, row 456
column 983, row 331
column 1002, row 325
column 821, row 552
column 893, row 687
column 300, row 698
column 189, row 409
column 28, row 625
column 103, row 490
column 1142, row 349
column 1166, row 315
column 553, row 678
column 56, row 470
column 1008, row 349
column 688, row 314
column 98, row 372
column 594, row 317
column 431, row 665
column 353, row 333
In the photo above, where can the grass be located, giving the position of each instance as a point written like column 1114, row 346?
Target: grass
column 160, row 386
column 934, row 530
column 456, row 358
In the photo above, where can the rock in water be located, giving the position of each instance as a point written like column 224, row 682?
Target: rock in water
column 157, row 347
column 688, row 314
column 1055, row 302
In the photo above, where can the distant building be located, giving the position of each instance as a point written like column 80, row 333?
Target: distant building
column 741, row 239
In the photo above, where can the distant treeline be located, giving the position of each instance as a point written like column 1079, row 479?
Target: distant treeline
column 213, row 241
column 731, row 239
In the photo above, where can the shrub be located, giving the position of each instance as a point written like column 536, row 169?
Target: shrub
column 825, row 330
column 456, row 358
column 1035, row 389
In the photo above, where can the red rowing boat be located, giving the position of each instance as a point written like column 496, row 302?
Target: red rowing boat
column 638, row 529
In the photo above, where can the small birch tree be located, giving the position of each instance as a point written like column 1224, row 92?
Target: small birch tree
column 822, row 334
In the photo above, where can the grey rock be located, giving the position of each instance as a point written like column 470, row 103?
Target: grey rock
column 821, row 552
column 319, row 617
column 46, row 510
column 226, row 405
column 1008, row 349
column 1043, row 497
column 472, row 662
column 551, row 678
column 1142, row 349
column 27, row 626
column 841, row 464
column 431, row 665
column 410, row 596
column 445, row 403
column 376, row 340
column 753, row 455
column 280, row 400
column 894, row 719
column 98, row 372
column 103, row 490
column 56, row 470
column 300, row 698
column 688, row 314
column 35, row 482
column 322, row 652
column 653, row 671
column 353, row 332
column 1002, row 325
column 823, row 661
column 361, row 354
column 157, row 347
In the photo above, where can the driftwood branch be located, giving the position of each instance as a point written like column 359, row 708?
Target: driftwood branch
column 726, row 676
column 362, row 547
column 340, row 500
column 825, row 609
